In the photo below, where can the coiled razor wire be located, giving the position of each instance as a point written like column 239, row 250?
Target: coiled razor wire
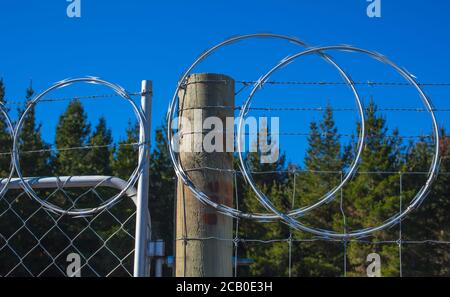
column 233, row 212
column 415, row 202
column 3, row 111
column 289, row 218
column 140, row 117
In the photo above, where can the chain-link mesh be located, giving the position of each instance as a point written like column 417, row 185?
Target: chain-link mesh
column 37, row 242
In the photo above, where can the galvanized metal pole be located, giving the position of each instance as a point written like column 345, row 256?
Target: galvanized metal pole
column 141, row 240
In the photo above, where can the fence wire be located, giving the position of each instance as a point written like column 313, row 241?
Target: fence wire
column 244, row 248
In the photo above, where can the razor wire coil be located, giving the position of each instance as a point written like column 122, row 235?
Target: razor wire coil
column 289, row 218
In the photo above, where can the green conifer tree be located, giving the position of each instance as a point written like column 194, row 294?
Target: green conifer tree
column 162, row 180
column 323, row 166
column 373, row 195
column 272, row 179
column 5, row 138
column 125, row 156
column 72, row 134
column 431, row 220
column 98, row 156
column 162, row 190
column 35, row 155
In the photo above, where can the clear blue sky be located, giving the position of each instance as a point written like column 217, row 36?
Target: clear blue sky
column 127, row 41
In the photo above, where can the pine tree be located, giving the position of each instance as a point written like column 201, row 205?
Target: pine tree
column 8, row 224
column 33, row 163
column 431, row 220
column 371, row 198
column 162, row 190
column 270, row 258
column 125, row 157
column 71, row 135
column 98, row 156
column 162, row 180
column 5, row 138
column 323, row 165
column 272, row 179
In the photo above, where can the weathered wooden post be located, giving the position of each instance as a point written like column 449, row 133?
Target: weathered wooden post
column 198, row 251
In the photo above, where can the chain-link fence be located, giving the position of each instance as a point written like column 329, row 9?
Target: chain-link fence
column 83, row 225
column 38, row 242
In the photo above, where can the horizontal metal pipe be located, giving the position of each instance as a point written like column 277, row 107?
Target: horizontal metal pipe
column 71, row 182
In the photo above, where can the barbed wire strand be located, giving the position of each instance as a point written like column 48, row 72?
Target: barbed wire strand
column 70, row 98
column 84, row 147
column 361, row 83
column 307, row 134
column 325, row 239
column 317, row 108
column 298, row 170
